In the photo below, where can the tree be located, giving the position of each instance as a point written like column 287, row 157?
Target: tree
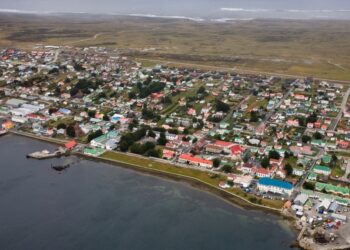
column 201, row 90
column 312, row 118
column 92, row 113
column 61, row 126
column 94, row 135
column 221, row 106
column 153, row 153
column 305, row 138
column 254, row 116
column 226, row 169
column 151, row 133
column 216, row 162
column 162, row 139
column 302, row 121
column 136, row 148
column 132, row 95
column 318, row 136
column 265, row 162
column 309, row 185
column 124, row 146
column 106, row 117
column 288, row 168
column 70, row 131
column 274, row 155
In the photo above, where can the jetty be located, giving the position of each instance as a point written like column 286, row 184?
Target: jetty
column 46, row 154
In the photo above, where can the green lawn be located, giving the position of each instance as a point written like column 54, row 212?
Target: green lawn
column 200, row 175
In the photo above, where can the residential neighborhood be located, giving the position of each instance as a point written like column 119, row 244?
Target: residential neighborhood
column 271, row 138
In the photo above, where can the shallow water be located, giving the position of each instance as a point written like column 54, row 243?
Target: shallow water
column 97, row 206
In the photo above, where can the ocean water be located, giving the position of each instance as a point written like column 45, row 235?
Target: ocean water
column 97, row 206
column 197, row 10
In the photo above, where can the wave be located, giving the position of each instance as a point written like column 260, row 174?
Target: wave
column 18, row 11
column 196, row 19
column 244, row 10
column 224, row 20
column 283, row 10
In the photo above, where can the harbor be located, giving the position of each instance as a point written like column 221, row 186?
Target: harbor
column 94, row 195
column 46, row 154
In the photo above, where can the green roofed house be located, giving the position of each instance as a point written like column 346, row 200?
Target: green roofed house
column 4, row 110
column 318, row 143
column 94, row 151
column 320, row 169
column 312, row 177
column 108, row 141
column 329, row 188
column 326, row 159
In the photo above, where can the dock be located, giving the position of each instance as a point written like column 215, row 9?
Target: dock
column 45, row 154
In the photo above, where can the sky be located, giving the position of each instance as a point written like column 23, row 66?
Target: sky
column 193, row 8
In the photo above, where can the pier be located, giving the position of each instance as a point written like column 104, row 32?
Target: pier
column 45, row 154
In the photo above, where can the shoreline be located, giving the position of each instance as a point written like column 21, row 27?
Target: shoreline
column 231, row 197
column 198, row 184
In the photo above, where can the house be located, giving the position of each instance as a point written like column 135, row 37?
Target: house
column 261, row 172
column 320, row 169
column 237, row 150
column 194, row 160
column 243, row 180
column 298, row 171
column 107, row 141
column 330, row 188
column 275, row 162
column 168, row 154
column 70, row 145
column 212, row 148
column 246, row 168
column 293, row 123
column 275, row 186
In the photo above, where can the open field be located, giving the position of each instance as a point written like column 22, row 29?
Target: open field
column 310, row 48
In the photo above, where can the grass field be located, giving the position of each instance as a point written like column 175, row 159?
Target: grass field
column 315, row 48
column 197, row 174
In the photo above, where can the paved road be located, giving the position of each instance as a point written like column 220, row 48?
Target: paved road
column 335, row 122
column 56, row 55
column 273, row 111
column 237, row 70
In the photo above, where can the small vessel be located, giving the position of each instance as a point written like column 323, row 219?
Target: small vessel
column 60, row 167
column 3, row 132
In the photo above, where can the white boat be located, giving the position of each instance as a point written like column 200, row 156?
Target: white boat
column 3, row 132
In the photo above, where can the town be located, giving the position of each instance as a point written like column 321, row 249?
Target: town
column 276, row 142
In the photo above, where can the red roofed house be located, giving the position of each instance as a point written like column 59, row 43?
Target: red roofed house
column 343, row 144
column 193, row 160
column 275, row 162
column 237, row 150
column 168, row 154
column 70, row 145
column 261, row 172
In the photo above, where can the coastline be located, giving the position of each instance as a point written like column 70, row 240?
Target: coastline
column 196, row 183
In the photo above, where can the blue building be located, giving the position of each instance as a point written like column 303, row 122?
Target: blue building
column 275, row 186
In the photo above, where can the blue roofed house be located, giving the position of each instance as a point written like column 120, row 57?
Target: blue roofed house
column 275, row 186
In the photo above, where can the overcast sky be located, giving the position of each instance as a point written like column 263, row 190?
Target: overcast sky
column 199, row 8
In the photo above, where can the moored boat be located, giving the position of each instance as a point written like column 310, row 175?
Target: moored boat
column 3, row 132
